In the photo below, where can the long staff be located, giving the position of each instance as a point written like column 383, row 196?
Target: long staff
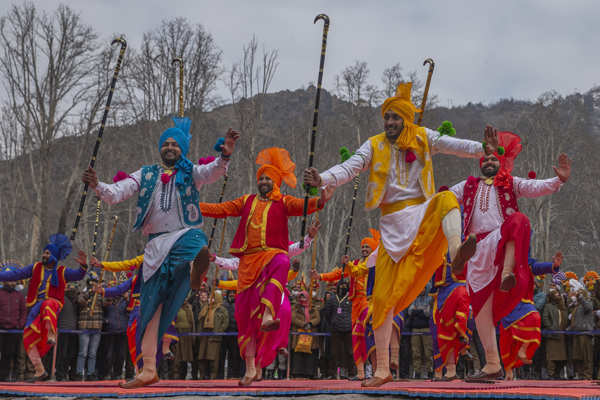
column 123, row 43
column 96, row 223
column 356, row 181
column 426, row 91
column 313, row 134
column 313, row 265
column 106, row 254
column 179, row 60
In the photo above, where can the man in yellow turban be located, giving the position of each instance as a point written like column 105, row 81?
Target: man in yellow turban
column 417, row 225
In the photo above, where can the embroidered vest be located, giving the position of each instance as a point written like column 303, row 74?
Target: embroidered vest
column 507, row 200
column 189, row 197
column 381, row 165
column 273, row 229
column 56, row 292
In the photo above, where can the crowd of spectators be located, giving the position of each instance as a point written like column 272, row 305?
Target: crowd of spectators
column 90, row 327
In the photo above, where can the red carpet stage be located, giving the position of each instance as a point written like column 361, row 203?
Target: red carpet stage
column 512, row 390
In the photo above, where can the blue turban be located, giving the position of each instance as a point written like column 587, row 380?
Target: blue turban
column 181, row 134
column 59, row 247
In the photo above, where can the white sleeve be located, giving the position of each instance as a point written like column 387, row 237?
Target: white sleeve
column 227, row 263
column 117, row 192
column 344, row 172
column 209, row 173
column 295, row 250
column 536, row 187
column 445, row 144
column 459, row 190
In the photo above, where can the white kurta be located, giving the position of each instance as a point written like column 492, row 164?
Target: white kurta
column 399, row 229
column 481, row 269
column 169, row 221
column 232, row 263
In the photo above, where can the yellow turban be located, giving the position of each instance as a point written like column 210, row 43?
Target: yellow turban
column 402, row 105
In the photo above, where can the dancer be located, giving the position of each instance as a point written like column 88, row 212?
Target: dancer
column 168, row 212
column 45, row 297
column 357, row 272
column 450, row 317
column 417, row 226
column 261, row 244
column 498, row 273
column 520, row 330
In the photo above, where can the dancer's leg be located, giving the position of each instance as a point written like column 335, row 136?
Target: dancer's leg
column 487, row 335
column 383, row 335
column 149, row 347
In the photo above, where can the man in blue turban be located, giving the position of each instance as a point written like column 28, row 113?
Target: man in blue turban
column 168, row 212
column 45, row 297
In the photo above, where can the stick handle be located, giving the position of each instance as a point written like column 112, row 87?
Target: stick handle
column 426, row 90
column 313, row 265
column 313, row 133
column 179, row 60
column 123, row 43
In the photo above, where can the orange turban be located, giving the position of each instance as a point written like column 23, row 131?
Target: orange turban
column 275, row 162
column 373, row 240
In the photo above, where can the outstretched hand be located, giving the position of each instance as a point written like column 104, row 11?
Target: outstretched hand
column 563, row 171
column 311, row 177
column 490, row 136
column 230, row 138
column 94, row 262
column 345, row 259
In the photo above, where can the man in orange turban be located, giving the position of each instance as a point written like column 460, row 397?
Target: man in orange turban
column 261, row 243
column 417, row 225
column 357, row 271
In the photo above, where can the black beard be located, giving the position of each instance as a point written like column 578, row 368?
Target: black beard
column 263, row 191
column 489, row 173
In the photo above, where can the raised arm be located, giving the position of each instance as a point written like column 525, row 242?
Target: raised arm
column 115, row 192
column 536, row 187
column 445, row 144
column 295, row 205
column 16, row 275
column 226, row 209
column 295, row 249
column 333, row 276
column 209, row 173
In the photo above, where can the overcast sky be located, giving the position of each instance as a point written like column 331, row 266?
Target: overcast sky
column 484, row 50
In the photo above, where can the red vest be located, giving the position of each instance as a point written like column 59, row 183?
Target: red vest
column 274, row 229
column 56, row 292
column 506, row 197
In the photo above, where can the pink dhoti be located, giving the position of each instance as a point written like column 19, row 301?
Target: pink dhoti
column 268, row 291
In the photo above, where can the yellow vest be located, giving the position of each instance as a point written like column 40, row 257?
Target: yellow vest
column 381, row 164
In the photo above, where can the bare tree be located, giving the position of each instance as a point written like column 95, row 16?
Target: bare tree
column 151, row 80
column 393, row 76
column 46, row 64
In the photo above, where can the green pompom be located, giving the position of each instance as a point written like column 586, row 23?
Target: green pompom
column 501, row 151
column 345, row 153
column 312, row 191
column 447, row 129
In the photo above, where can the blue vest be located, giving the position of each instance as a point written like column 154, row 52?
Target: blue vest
column 188, row 196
